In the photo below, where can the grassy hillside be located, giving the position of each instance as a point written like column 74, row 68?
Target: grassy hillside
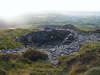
column 85, row 62
column 7, row 37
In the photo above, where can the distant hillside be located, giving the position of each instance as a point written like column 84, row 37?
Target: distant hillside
column 83, row 19
column 3, row 24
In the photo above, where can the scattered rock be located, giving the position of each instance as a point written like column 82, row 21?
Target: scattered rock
column 55, row 62
column 59, row 41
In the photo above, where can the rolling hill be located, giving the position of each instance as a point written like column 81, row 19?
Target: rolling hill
column 80, row 19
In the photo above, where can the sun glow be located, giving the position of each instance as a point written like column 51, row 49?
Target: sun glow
column 11, row 8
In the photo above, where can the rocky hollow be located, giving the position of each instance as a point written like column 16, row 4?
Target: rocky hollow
column 46, row 38
column 58, row 42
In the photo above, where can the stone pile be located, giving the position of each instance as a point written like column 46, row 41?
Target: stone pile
column 59, row 42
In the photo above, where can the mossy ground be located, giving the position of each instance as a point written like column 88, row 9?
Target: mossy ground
column 81, row 62
column 84, row 62
column 7, row 37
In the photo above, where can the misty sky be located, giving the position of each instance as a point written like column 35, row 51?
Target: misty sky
column 10, row 8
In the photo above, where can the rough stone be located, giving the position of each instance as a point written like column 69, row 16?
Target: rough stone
column 61, row 41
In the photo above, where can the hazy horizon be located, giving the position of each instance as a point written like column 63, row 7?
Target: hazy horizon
column 12, row 8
